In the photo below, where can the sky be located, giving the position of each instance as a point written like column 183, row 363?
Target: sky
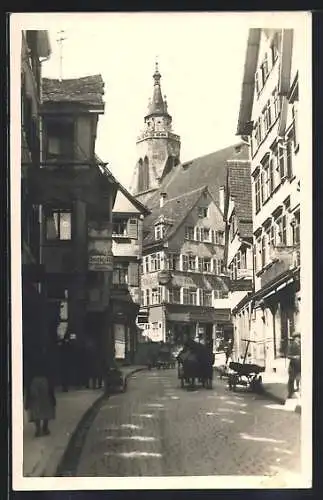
column 201, row 59
column 201, row 64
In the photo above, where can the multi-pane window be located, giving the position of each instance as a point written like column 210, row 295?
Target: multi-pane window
column 120, row 273
column 257, row 84
column 257, row 193
column 207, row 298
column 159, row 231
column 289, row 157
column 265, row 68
column 189, row 296
column 267, row 116
column 258, row 254
column 189, row 232
column 263, row 251
column 155, row 262
column 119, row 227
column 200, row 264
column 147, row 297
column 258, row 131
column 206, row 234
column 219, row 237
column 173, row 262
column 282, row 230
column 296, row 229
column 156, row 295
column 295, row 124
column 198, row 233
column 58, row 224
column 207, row 265
column 174, row 295
column 282, row 161
column 274, row 50
column 271, row 175
column 184, row 262
column 191, row 263
column 146, row 264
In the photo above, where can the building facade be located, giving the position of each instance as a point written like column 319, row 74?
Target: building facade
column 269, row 117
column 35, row 48
column 127, row 235
column 239, row 248
column 76, row 193
column 181, row 285
column 157, row 146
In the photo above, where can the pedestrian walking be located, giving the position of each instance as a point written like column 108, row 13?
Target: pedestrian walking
column 228, row 351
column 40, row 399
column 294, row 369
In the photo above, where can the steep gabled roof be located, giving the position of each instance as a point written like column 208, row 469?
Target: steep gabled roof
column 175, row 209
column 239, row 186
column 87, row 90
column 209, row 170
column 142, row 208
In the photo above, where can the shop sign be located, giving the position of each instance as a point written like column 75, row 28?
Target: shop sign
column 100, row 262
column 164, row 277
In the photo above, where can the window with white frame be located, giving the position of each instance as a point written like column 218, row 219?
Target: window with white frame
column 207, row 298
column 159, row 231
column 191, row 263
column 274, row 50
column 263, row 251
column 206, row 265
column 119, row 227
column 271, row 174
column 206, row 234
column 155, row 262
column 265, row 69
column 120, row 273
column 156, row 295
column 296, row 229
column 282, row 161
column 189, row 233
column 257, row 84
column 289, row 155
column 282, row 230
column 198, row 233
column 257, row 185
column 173, row 261
column 147, row 297
column 146, row 264
column 184, row 262
column 295, row 124
column 174, row 296
column 267, row 116
column 258, row 254
column 243, row 255
column 189, row 296
column 200, row 264
column 276, row 104
column 219, row 237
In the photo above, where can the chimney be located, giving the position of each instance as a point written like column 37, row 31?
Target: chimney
column 162, row 199
column 221, row 198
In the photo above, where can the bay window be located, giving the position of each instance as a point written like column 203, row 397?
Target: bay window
column 174, row 295
column 120, row 273
column 191, row 263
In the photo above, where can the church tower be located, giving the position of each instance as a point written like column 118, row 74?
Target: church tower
column 158, row 148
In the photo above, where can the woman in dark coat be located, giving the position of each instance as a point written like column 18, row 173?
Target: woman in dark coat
column 40, row 398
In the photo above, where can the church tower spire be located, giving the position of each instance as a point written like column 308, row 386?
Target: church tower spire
column 158, row 147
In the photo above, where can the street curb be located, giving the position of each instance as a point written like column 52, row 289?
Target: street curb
column 78, row 436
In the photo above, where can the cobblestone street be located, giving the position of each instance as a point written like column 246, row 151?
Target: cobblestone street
column 159, row 429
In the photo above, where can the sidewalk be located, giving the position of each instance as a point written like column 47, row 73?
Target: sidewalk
column 42, row 455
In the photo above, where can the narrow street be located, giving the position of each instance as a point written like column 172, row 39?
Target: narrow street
column 158, row 429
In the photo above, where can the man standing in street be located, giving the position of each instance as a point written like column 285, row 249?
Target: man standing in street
column 294, row 370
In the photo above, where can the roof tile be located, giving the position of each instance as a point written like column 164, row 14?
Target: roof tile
column 85, row 90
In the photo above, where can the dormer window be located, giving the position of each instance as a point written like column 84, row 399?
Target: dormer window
column 159, row 231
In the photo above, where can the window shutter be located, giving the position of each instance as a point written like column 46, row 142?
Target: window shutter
column 132, row 229
column 133, row 274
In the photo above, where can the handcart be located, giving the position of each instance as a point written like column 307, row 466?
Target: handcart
column 245, row 374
